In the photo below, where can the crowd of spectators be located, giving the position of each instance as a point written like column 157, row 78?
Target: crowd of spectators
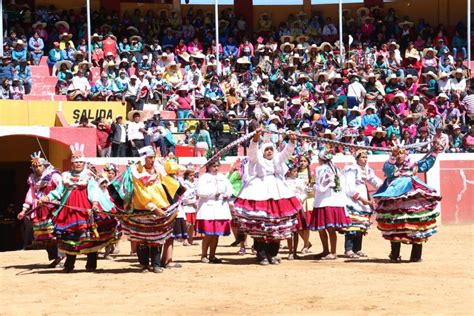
column 400, row 82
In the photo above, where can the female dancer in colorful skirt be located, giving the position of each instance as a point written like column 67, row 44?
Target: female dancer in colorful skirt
column 148, row 192
column 298, row 186
column 406, row 206
column 307, row 175
column 81, row 224
column 41, row 181
column 213, row 215
column 189, row 202
column 266, row 208
column 329, row 214
column 359, row 204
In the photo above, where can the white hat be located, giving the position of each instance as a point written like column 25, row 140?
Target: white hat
column 133, row 77
column 146, row 151
column 77, row 151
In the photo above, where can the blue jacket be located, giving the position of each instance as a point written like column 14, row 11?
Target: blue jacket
column 24, row 73
column 54, row 56
column 17, row 55
column 6, row 72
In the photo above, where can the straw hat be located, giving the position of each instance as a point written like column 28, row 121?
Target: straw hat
column 85, row 63
column 442, row 75
column 173, row 64
column 64, row 62
column 363, row 9
column 302, row 38
column 393, row 43
column 410, row 55
column 131, row 114
column 333, row 121
column 244, row 60
column 185, row 56
column 402, row 24
column 410, row 76
column 285, row 45
column 341, row 108
column 62, row 23
column 135, row 38
column 277, row 109
column 329, row 133
column 132, row 29
column 286, row 38
column 18, row 42
column 369, row 107
column 324, row 74
column 95, row 35
column 274, row 117
column 399, row 95
column 429, row 49
column 324, row 45
column 391, row 77
column 65, row 35
column 379, row 130
column 431, row 74
column 356, row 110
column 372, row 75
column 198, row 55
column 408, row 117
column 457, row 71
column 39, row 23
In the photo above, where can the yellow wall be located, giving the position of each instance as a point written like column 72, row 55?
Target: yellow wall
column 43, row 113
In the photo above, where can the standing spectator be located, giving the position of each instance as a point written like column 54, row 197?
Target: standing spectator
column 103, row 140
column 202, row 139
column 167, row 142
column 183, row 103
column 109, row 45
column 118, row 136
column 36, row 46
column 355, row 93
column 23, row 72
column 136, row 132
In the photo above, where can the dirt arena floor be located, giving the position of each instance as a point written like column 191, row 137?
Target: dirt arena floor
column 442, row 284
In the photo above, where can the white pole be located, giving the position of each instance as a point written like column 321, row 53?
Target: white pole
column 216, row 14
column 1, row 27
column 89, row 48
column 341, row 44
column 469, row 34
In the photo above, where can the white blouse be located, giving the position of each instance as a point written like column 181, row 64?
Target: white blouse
column 324, row 193
column 210, row 207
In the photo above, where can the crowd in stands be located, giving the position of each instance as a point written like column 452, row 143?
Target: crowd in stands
column 400, row 82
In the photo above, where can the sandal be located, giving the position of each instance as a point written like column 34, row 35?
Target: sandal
column 351, row 254
column 172, row 265
column 215, row 260
column 361, row 254
column 241, row 251
column 330, row 256
column 305, row 250
column 204, row 260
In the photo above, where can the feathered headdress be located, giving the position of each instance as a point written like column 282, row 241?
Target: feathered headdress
column 36, row 159
column 77, row 151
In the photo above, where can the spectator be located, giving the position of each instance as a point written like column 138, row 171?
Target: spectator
column 118, row 138
column 65, row 40
column 23, row 71
column 17, row 91
column 79, row 89
column 103, row 139
column 54, row 56
column 202, row 140
column 5, row 89
column 36, row 47
column 132, row 94
column 136, row 132
column 19, row 52
column 456, row 140
column 6, row 68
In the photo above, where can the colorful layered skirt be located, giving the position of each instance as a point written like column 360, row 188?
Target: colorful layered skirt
column 213, row 227
column 43, row 227
column 408, row 214
column 360, row 220
column 329, row 217
column 270, row 219
column 149, row 229
column 81, row 231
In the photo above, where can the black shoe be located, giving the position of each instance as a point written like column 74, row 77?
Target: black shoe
column 91, row 269
column 55, row 262
column 234, row 244
column 68, row 270
column 394, row 259
column 215, row 260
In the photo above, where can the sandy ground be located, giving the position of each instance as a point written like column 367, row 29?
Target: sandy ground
column 442, row 284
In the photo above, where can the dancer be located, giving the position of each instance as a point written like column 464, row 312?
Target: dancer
column 213, row 215
column 406, row 206
column 109, row 174
column 189, row 203
column 266, row 208
column 329, row 213
column 145, row 187
column 359, row 204
column 298, row 186
column 235, row 176
column 81, row 223
column 41, row 181
column 307, row 175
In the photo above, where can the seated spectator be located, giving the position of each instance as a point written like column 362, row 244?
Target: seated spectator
column 5, row 89
column 370, row 120
column 459, row 44
column 132, row 94
column 17, row 91
column 68, row 53
column 6, row 68
column 97, row 53
column 456, row 140
column 64, row 76
column 79, row 89
column 378, row 140
column 54, row 56
column 19, row 51
column 64, row 39
column 103, row 89
column 173, row 75
column 468, row 141
column 23, row 71
column 36, row 47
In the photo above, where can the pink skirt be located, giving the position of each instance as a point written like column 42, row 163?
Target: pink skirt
column 213, row 227
column 326, row 217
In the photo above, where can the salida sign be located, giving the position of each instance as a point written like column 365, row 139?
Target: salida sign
column 92, row 114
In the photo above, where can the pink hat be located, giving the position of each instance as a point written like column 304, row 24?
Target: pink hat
column 260, row 40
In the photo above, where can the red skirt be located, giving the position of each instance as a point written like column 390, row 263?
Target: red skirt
column 213, row 227
column 302, row 220
column 191, row 218
column 326, row 217
column 81, row 231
